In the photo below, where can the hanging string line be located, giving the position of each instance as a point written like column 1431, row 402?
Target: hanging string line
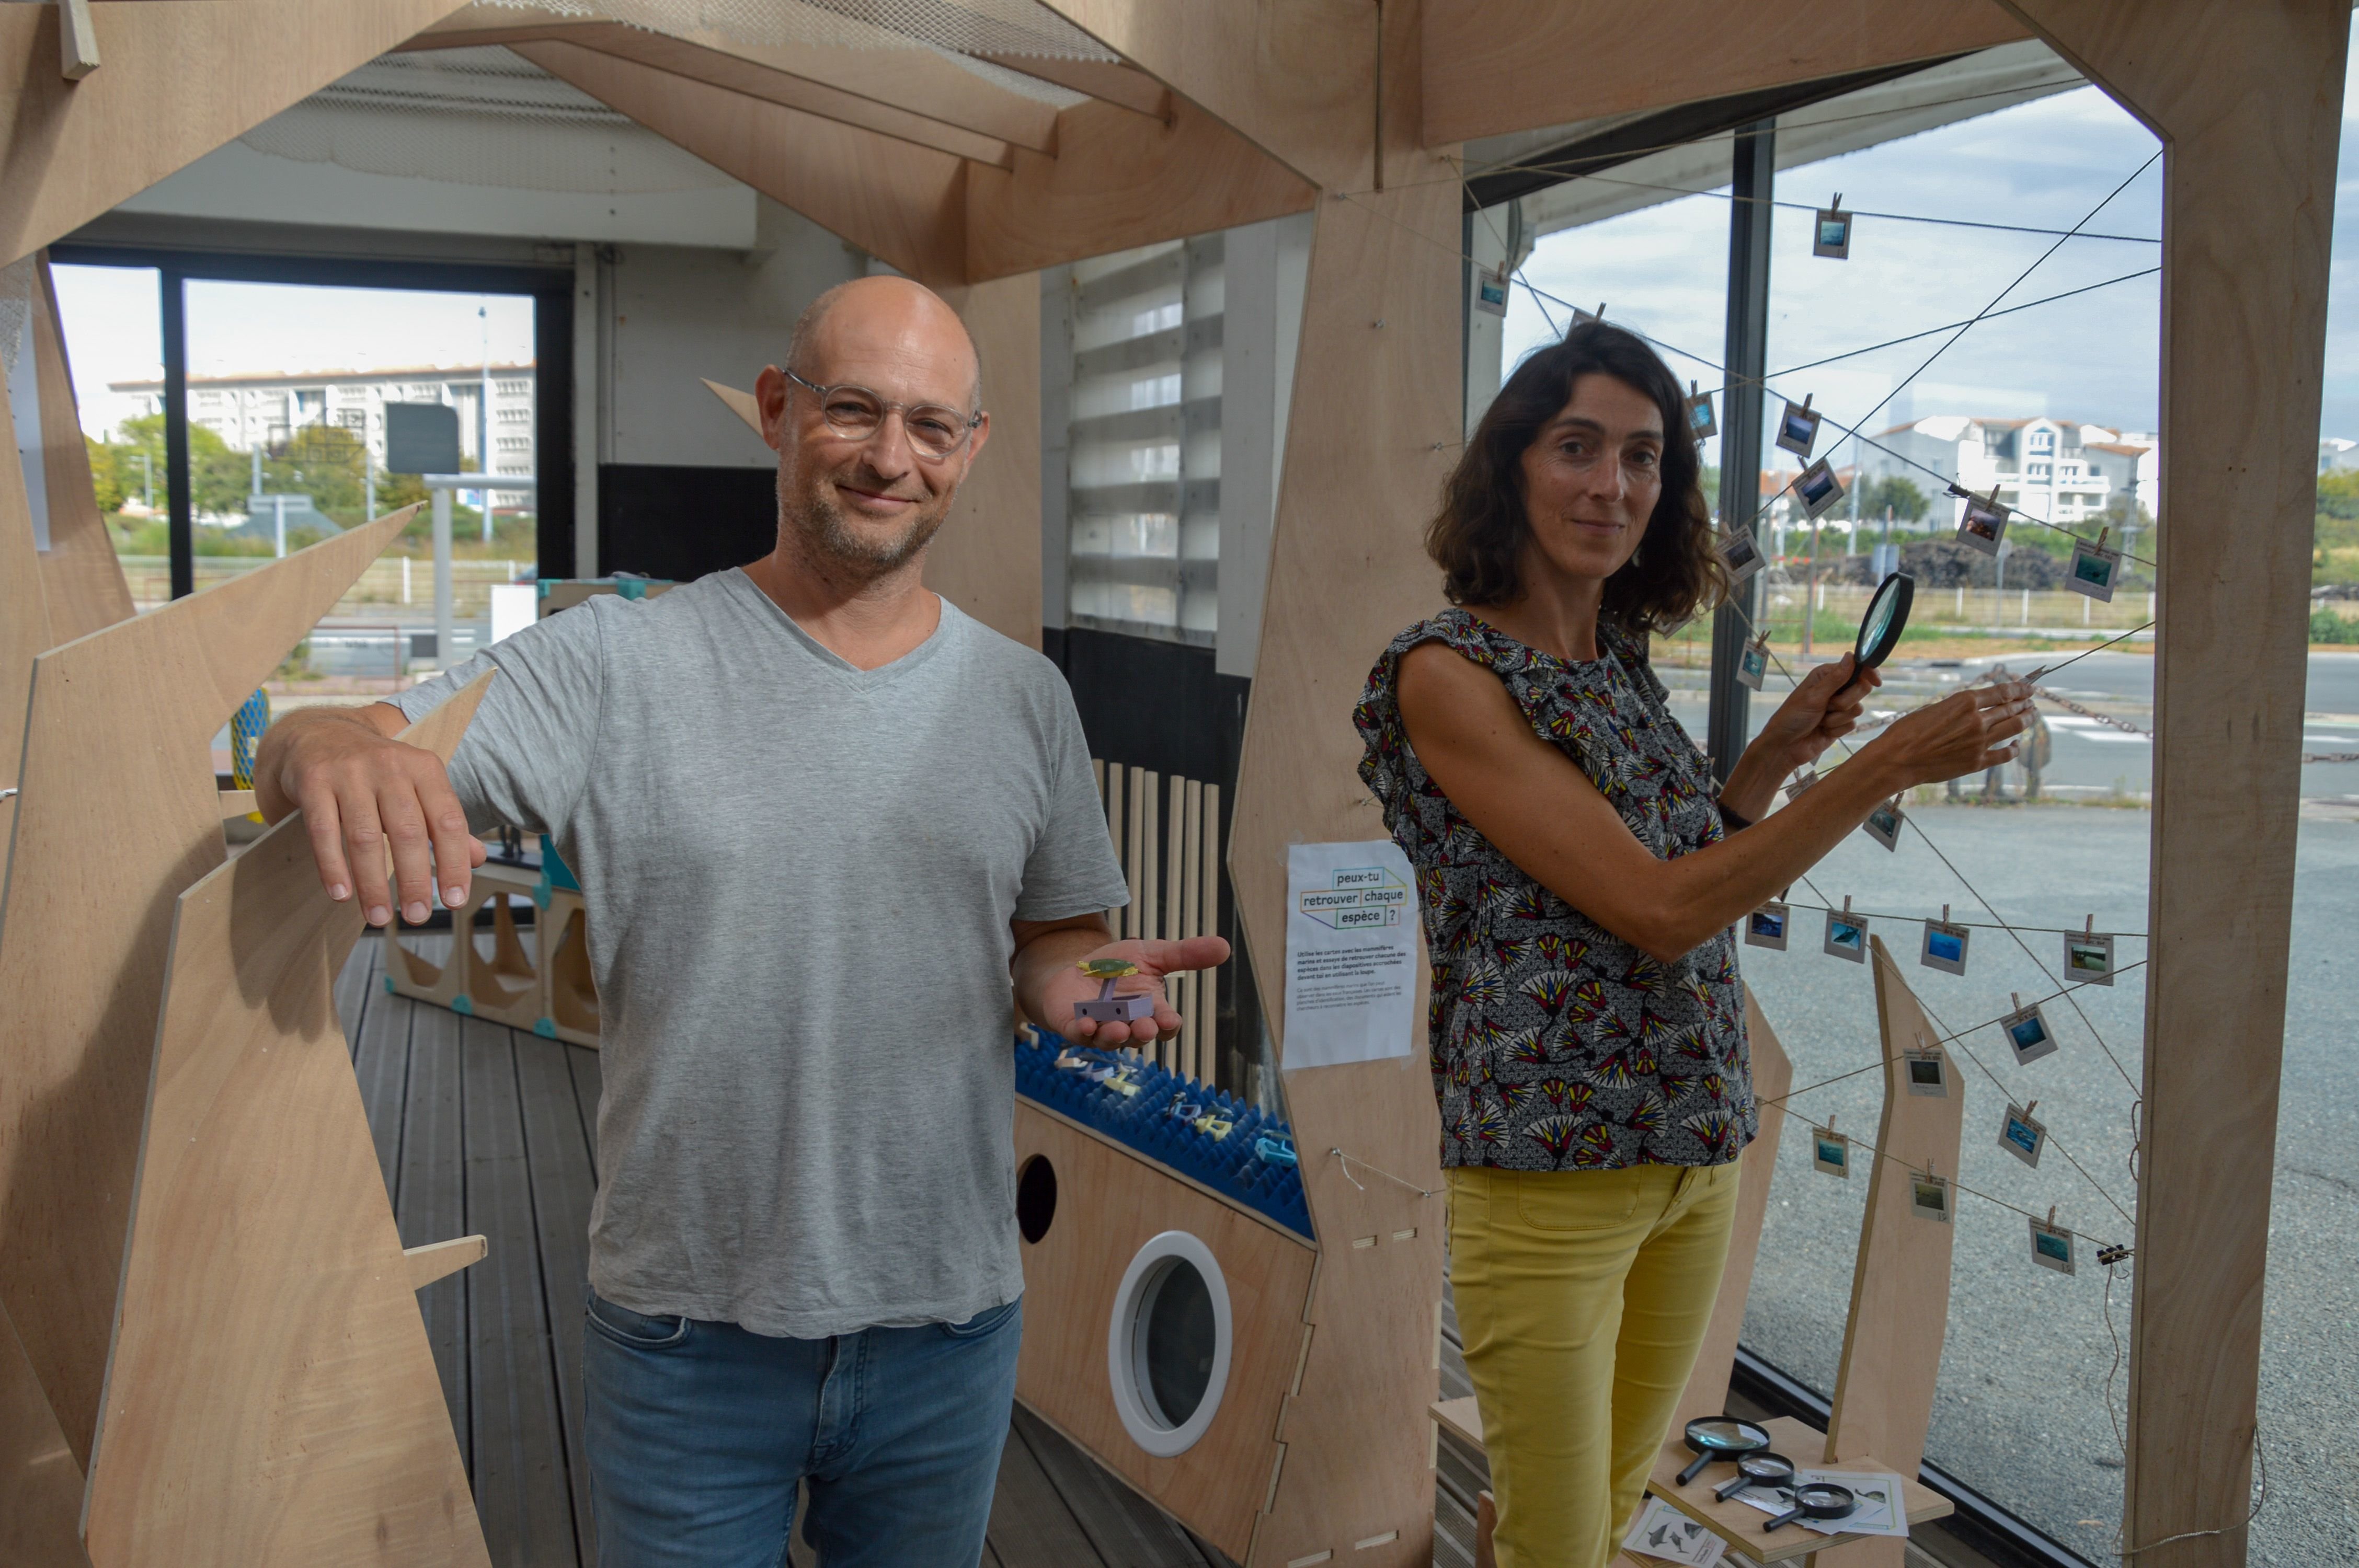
column 1351, row 1159
column 2045, row 670
column 1959, row 1041
column 1968, row 925
column 1896, row 342
column 1725, row 193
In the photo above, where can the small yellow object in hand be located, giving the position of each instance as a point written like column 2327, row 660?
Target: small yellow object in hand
column 1106, row 969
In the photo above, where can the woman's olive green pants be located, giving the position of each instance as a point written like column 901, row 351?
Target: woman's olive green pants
column 1581, row 1297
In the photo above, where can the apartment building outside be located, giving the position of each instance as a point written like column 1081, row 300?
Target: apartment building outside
column 2060, row 470
column 265, row 409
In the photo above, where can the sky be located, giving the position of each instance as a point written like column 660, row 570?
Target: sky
column 1662, row 270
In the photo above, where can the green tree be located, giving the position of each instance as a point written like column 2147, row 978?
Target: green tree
column 1908, row 503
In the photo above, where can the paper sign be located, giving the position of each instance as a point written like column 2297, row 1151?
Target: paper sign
column 1665, row 1532
column 1351, row 954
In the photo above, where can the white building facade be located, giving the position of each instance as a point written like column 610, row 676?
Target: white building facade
column 2058, row 470
column 247, row 411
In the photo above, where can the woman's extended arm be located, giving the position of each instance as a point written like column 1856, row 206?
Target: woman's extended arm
column 1531, row 801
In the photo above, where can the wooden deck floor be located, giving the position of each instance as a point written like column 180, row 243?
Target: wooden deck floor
column 485, row 1129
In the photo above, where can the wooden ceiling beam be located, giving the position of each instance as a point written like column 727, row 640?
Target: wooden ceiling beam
column 904, row 203
column 908, row 82
column 1122, row 180
column 1102, row 80
column 1298, row 79
column 179, row 80
column 1494, row 66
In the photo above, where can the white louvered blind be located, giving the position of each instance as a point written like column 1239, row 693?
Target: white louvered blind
column 1144, row 465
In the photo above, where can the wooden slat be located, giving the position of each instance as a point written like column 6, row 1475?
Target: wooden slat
column 1496, row 66
column 381, row 1064
column 521, row 1486
column 119, row 732
column 82, row 580
column 1135, row 914
column 1188, row 854
column 1208, row 990
column 270, row 1396
column 431, row 1201
column 557, row 1152
column 179, row 80
column 1150, row 899
column 441, row 1260
column 1105, row 81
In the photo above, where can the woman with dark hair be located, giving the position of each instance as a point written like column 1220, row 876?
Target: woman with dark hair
column 1579, row 874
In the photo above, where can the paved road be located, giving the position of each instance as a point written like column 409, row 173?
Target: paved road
column 2022, row 1409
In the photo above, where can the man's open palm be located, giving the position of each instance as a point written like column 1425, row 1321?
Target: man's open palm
column 1154, row 960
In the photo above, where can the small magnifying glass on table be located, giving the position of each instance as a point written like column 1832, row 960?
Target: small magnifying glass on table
column 1720, row 1437
column 1757, row 1469
column 1815, row 1499
column 1106, row 1006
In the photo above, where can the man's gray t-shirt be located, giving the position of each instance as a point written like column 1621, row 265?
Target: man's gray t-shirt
column 799, row 877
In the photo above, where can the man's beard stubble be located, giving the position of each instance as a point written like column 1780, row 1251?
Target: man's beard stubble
column 832, row 544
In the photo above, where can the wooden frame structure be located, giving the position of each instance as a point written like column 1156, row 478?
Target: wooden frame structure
column 1222, row 112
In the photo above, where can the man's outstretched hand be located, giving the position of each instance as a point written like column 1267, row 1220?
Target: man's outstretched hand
column 1050, row 983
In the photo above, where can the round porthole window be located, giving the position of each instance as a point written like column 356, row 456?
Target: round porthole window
column 1167, row 1344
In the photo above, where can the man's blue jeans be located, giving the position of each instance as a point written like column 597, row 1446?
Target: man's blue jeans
column 696, row 1434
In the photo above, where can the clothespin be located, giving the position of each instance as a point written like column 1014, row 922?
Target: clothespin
column 2051, row 1216
column 1847, row 904
column 1806, row 408
column 2102, row 534
column 1945, row 915
column 1836, row 205
column 2015, row 1000
column 2109, row 1256
column 2090, row 929
column 2027, row 1110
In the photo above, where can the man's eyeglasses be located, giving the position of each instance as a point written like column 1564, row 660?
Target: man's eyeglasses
column 856, row 413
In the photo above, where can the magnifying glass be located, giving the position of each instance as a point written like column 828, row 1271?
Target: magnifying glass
column 1720, row 1437
column 1762, row 1469
column 1816, row 1500
column 1886, row 618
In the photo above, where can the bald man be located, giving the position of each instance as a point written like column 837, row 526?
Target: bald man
column 824, row 824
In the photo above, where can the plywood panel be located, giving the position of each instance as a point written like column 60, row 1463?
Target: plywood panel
column 1494, row 66
column 911, row 79
column 1347, row 572
column 120, row 733
column 1773, row 1074
column 270, row 1396
column 179, row 80
column 1296, row 79
column 79, row 571
column 1119, row 179
column 2248, row 100
column 903, row 204
column 1900, row 1282
column 40, row 1484
column 1109, row 1203
column 986, row 559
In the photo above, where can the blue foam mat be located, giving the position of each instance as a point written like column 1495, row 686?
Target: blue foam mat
column 1134, row 1105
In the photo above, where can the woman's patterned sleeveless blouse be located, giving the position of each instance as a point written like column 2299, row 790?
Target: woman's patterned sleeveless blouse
column 1556, row 1045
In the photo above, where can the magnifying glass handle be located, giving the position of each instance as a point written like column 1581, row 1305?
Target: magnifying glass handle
column 1695, row 1467
column 1728, row 1489
column 1788, row 1517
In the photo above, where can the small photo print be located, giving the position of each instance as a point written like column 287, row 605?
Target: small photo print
column 2028, row 1035
column 1983, row 526
column 1830, row 235
column 1847, row 936
column 2088, row 959
column 1927, row 1073
column 1799, row 785
column 1700, row 419
column 1797, row 429
column 1491, row 293
column 1740, row 555
column 1831, row 1151
column 2052, row 1248
column 2022, row 1135
column 2094, row 571
column 1945, row 946
column 1767, row 927
column 1883, row 824
column 1929, row 1197
column 1819, row 489
column 1753, row 664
